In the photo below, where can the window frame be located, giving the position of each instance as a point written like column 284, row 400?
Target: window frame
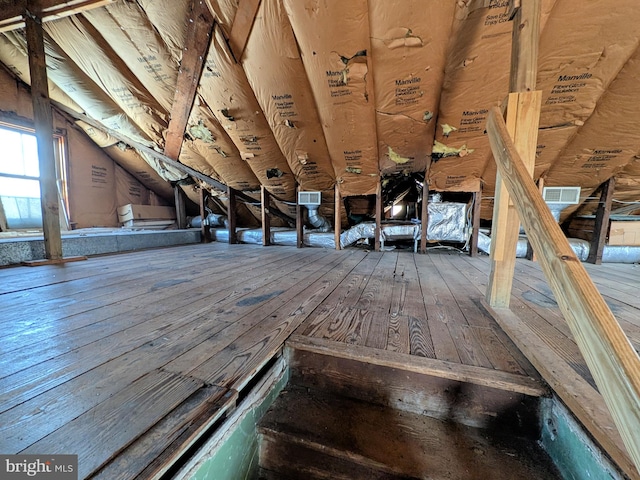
column 25, row 126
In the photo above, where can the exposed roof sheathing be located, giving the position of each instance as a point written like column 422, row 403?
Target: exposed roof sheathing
column 329, row 91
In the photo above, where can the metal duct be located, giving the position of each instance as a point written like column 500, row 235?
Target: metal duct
column 556, row 209
column 212, row 220
column 611, row 253
column 317, row 220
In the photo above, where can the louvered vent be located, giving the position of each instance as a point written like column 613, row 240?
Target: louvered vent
column 566, row 195
column 309, row 198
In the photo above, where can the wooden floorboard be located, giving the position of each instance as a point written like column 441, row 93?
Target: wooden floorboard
column 127, row 359
column 535, row 324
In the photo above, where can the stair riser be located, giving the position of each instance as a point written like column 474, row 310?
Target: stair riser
column 469, row 404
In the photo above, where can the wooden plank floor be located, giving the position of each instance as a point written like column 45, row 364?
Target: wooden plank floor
column 127, row 359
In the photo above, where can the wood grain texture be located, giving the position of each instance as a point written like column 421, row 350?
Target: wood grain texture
column 76, row 335
column 450, row 370
column 43, row 120
column 122, row 418
column 570, row 387
column 242, row 24
column 601, row 227
column 523, row 118
column 614, row 363
column 12, row 13
column 194, row 52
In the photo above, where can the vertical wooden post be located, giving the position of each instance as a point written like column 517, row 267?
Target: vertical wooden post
column 231, row 215
column 204, row 228
column 378, row 229
column 475, row 223
column 299, row 221
column 43, row 119
column 337, row 218
column 266, row 220
column 602, row 222
column 424, row 214
column 531, row 255
column 181, row 212
column 523, row 116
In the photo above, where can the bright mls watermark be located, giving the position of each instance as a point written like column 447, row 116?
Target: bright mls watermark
column 49, row 467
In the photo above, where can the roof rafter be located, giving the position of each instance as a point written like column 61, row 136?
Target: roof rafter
column 12, row 12
column 164, row 158
column 201, row 24
column 242, row 24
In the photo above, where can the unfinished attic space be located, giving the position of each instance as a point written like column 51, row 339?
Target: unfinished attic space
column 319, row 239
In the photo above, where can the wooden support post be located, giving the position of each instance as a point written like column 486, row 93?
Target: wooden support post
column 206, row 233
column 424, row 215
column 231, row 215
column 181, row 212
column 378, row 229
column 337, row 218
column 265, row 198
column 607, row 351
column 531, row 255
column 43, row 119
column 475, row 223
column 602, row 222
column 299, row 221
column 523, row 116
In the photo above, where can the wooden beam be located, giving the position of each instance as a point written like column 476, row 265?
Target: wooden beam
column 265, row 197
column 475, row 223
column 583, row 400
column 611, row 358
column 231, row 215
column 299, row 221
column 422, row 365
column 56, row 261
column 378, row 229
column 43, row 119
column 531, row 255
column 204, row 226
column 337, row 218
column 242, row 24
column 523, row 116
column 424, row 214
column 194, row 53
column 602, row 222
column 181, row 214
column 12, row 13
column 524, row 47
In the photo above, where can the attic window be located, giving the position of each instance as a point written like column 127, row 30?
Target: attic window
column 20, row 177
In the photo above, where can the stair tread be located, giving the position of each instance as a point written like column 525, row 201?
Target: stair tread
column 398, row 442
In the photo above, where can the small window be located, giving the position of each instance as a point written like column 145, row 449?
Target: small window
column 20, row 177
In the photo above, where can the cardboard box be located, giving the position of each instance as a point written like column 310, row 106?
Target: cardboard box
column 624, row 233
column 145, row 212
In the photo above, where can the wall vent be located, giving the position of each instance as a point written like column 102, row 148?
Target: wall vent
column 309, row 198
column 566, row 195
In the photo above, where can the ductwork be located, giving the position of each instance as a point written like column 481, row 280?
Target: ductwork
column 556, row 209
column 610, row 254
column 317, row 220
column 212, row 220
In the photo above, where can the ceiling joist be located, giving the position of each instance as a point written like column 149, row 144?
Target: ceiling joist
column 12, row 12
